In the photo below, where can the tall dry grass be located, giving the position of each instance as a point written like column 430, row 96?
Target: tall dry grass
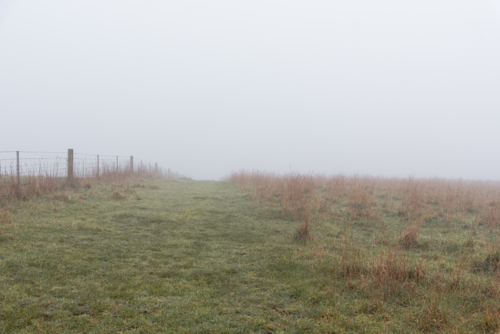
column 46, row 181
column 412, row 200
column 396, row 268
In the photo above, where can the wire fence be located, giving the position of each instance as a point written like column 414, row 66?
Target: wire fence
column 25, row 164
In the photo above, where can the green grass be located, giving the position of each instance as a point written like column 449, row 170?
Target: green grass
column 203, row 257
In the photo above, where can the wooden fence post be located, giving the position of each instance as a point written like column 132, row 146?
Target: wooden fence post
column 132, row 163
column 156, row 167
column 117, row 163
column 70, row 165
column 18, row 171
column 98, row 166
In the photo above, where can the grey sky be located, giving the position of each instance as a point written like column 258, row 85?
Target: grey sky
column 392, row 88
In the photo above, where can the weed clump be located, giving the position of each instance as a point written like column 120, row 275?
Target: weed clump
column 390, row 266
column 63, row 197
column 118, row 195
column 302, row 234
column 491, row 215
column 490, row 319
column 431, row 318
column 361, row 203
column 489, row 265
column 411, row 234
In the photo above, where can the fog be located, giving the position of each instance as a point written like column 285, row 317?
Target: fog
column 386, row 88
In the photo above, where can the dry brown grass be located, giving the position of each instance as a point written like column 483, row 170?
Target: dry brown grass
column 365, row 197
column 411, row 234
column 432, row 318
column 428, row 243
column 118, row 195
column 490, row 216
column 362, row 202
column 386, row 272
column 303, row 232
column 5, row 218
column 57, row 187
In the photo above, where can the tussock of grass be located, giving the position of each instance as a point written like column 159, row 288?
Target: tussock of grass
column 411, row 234
column 303, row 232
column 490, row 264
column 118, row 195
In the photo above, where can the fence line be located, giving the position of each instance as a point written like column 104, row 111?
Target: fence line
column 22, row 164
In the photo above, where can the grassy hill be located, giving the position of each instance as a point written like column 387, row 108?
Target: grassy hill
column 163, row 256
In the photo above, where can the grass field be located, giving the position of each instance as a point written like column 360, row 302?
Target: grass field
column 209, row 257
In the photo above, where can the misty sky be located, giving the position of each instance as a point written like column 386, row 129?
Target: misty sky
column 386, row 88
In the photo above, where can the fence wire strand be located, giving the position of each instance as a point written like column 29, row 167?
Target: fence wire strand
column 55, row 164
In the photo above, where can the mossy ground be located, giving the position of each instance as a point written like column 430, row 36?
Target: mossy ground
column 167, row 256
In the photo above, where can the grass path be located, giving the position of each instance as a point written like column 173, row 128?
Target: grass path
column 173, row 257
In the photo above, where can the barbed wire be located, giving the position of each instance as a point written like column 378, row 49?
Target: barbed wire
column 38, row 159
column 42, row 157
column 102, row 155
column 37, row 152
column 100, row 158
column 64, row 153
